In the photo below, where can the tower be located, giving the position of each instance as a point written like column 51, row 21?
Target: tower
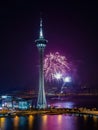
column 41, row 44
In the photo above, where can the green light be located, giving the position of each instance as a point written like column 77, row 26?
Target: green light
column 41, row 45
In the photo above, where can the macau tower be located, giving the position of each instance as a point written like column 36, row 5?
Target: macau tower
column 41, row 44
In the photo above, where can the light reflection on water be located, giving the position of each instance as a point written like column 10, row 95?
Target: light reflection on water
column 2, row 123
column 30, row 121
column 95, row 121
column 44, row 122
column 16, row 122
column 49, row 122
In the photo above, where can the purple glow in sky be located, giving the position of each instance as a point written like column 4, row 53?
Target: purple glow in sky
column 70, row 28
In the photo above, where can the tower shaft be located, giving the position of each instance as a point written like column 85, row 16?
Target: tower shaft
column 41, row 102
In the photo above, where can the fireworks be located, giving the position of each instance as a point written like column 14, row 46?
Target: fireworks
column 55, row 66
column 67, row 79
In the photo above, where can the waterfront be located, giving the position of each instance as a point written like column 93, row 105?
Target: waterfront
column 64, row 121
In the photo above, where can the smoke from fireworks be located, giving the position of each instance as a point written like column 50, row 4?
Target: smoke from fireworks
column 54, row 63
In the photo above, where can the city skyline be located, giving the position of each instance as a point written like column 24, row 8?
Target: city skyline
column 70, row 30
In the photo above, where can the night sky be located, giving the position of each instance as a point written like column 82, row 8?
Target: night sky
column 69, row 27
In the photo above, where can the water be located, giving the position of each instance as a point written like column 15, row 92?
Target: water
column 55, row 122
column 50, row 122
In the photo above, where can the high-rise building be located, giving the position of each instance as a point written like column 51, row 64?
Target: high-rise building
column 41, row 44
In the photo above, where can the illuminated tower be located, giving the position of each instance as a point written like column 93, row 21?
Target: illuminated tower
column 41, row 44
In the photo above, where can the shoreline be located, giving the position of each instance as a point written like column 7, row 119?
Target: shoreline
column 53, row 111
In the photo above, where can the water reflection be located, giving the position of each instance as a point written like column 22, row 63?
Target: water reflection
column 16, row 122
column 2, row 123
column 85, row 117
column 95, row 121
column 44, row 119
column 37, row 122
column 23, row 123
column 30, row 122
column 50, row 122
column 58, row 122
column 59, row 119
column 71, row 122
column 44, row 122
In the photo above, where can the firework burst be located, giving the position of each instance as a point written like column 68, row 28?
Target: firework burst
column 55, row 63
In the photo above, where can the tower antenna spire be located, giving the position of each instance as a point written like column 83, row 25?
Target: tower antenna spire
column 41, row 36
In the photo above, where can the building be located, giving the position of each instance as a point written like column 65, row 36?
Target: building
column 41, row 44
column 10, row 102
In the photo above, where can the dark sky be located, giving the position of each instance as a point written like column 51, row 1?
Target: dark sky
column 69, row 27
